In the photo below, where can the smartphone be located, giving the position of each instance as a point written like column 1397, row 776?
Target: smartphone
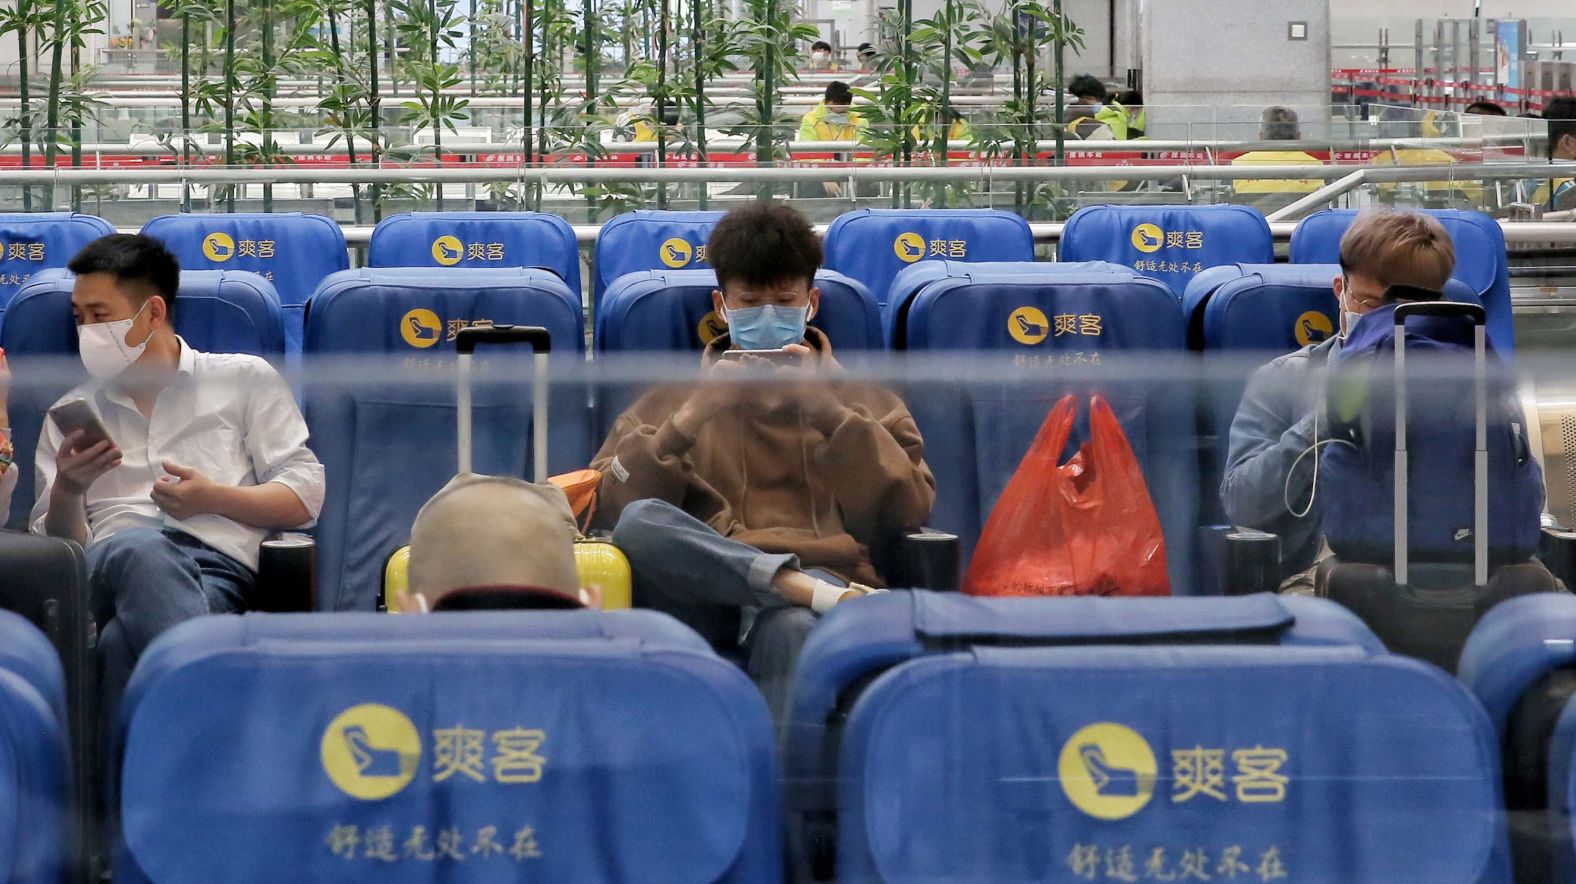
column 75, row 415
column 774, row 357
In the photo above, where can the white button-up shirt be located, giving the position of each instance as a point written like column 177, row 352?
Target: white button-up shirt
column 227, row 415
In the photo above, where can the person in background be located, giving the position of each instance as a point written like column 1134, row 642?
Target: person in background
column 206, row 453
column 821, row 56
column 832, row 120
column 1131, row 102
column 1276, row 124
column 762, row 490
column 1269, row 481
column 1088, row 117
column 7, row 452
column 1558, row 193
column 867, row 76
column 1485, row 109
column 957, row 129
column 867, row 58
column 494, row 543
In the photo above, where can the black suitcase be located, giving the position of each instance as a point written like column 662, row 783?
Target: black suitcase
column 46, row 580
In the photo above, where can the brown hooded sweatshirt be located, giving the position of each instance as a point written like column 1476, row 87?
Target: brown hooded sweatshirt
column 773, row 481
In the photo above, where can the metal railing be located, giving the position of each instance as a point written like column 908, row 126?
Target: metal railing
column 147, row 145
column 1516, row 232
column 957, row 172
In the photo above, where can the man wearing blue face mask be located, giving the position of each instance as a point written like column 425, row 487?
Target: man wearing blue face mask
column 763, row 495
column 1270, row 465
column 206, row 453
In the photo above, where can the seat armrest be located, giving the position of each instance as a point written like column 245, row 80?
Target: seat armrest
column 1557, row 550
column 927, row 559
column 286, row 575
column 1252, row 562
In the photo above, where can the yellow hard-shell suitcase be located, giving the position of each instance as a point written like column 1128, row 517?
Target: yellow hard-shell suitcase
column 599, row 562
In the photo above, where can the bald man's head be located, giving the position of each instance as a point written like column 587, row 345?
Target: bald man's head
column 492, row 531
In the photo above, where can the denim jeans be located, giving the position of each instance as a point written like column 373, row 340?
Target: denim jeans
column 149, row 580
column 682, row 566
column 143, row 581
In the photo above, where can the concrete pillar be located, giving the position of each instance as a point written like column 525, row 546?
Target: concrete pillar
column 1212, row 66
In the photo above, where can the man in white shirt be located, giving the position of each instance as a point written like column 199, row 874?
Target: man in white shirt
column 206, row 452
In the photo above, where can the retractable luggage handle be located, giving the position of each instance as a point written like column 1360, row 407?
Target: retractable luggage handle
column 1480, row 450
column 541, row 345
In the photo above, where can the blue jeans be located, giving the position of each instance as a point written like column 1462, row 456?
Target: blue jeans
column 149, row 580
column 683, row 567
column 144, row 581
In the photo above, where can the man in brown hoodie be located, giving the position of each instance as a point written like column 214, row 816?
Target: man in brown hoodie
column 764, row 488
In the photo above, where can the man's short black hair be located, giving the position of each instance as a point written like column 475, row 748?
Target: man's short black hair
column 140, row 261
column 820, row 44
column 1087, row 86
column 1561, row 116
column 866, row 47
column 763, row 243
column 1485, row 109
column 837, row 92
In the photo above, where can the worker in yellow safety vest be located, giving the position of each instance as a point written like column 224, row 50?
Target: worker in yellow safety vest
column 1558, row 194
column 832, row 120
column 1131, row 105
column 1088, row 117
column 958, row 130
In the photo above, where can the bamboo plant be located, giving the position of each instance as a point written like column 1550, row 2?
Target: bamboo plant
column 429, row 29
column 71, row 101
column 345, row 105
column 770, row 39
column 1018, row 36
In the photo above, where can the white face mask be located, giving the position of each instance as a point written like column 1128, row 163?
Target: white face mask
column 105, row 353
column 1348, row 317
column 1348, row 322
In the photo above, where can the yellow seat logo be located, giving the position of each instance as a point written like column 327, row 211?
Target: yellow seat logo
column 371, row 751
column 910, row 247
column 711, row 327
column 447, row 250
column 421, row 328
column 1148, row 238
column 1313, row 327
column 675, row 252
column 218, row 247
column 1107, row 771
column 1028, row 326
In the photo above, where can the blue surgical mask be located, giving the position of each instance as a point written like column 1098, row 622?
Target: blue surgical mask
column 768, row 327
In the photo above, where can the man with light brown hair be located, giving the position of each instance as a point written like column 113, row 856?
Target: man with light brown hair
column 1269, row 481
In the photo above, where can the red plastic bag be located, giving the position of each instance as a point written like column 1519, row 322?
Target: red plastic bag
column 1086, row 527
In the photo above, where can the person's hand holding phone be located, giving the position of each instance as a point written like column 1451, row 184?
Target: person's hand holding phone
column 80, row 462
column 716, row 393
column 820, row 400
